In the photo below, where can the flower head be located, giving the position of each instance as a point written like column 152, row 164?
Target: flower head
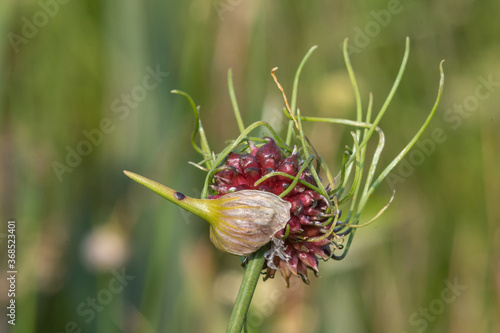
column 263, row 192
column 307, row 234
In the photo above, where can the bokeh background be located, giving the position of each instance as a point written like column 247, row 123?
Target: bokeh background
column 99, row 253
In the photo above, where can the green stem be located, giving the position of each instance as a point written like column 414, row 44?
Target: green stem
column 247, row 288
column 234, row 102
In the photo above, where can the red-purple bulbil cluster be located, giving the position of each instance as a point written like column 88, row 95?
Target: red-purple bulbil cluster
column 310, row 210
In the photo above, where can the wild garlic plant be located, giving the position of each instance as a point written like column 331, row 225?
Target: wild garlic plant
column 264, row 198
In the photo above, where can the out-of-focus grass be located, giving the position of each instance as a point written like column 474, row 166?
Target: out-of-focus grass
column 73, row 234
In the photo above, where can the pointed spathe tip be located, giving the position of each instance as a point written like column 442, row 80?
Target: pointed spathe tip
column 132, row 175
column 158, row 188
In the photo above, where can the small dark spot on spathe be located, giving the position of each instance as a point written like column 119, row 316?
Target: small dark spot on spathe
column 179, row 195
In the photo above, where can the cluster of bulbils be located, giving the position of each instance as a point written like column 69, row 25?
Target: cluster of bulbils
column 307, row 235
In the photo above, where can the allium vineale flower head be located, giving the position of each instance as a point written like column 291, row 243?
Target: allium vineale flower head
column 267, row 191
column 309, row 232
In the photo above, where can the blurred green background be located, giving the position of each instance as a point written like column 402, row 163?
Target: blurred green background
column 99, row 253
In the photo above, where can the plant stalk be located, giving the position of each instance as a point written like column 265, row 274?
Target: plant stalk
column 247, row 288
